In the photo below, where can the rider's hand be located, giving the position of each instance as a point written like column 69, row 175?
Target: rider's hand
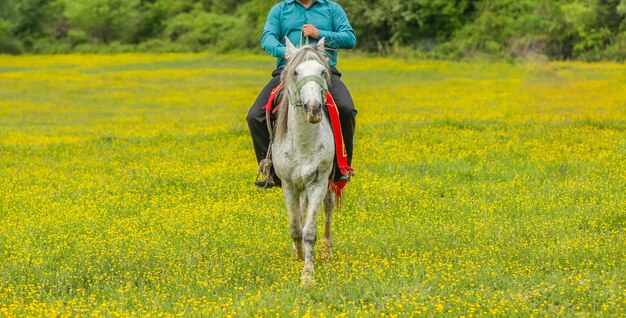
column 311, row 31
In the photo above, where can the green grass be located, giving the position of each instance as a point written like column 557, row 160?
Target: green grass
column 481, row 189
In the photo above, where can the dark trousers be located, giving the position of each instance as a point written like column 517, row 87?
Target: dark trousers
column 258, row 125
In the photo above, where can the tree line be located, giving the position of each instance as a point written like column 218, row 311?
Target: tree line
column 451, row 29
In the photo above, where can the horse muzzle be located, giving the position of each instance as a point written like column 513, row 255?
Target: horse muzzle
column 314, row 114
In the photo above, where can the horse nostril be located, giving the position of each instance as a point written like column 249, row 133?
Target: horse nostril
column 314, row 106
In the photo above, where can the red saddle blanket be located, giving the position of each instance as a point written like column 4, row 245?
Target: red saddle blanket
column 340, row 148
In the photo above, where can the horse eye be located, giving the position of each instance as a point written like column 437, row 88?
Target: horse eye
column 324, row 72
column 295, row 73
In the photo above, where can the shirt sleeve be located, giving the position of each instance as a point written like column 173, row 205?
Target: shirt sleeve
column 270, row 40
column 342, row 37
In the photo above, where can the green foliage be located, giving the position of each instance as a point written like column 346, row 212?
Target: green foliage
column 247, row 32
column 617, row 50
column 581, row 18
column 151, row 20
column 7, row 25
column 504, row 28
column 451, row 29
column 559, row 29
column 7, row 43
column 103, row 20
column 382, row 24
column 199, row 29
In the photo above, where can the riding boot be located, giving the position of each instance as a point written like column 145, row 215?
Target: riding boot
column 347, row 114
column 257, row 123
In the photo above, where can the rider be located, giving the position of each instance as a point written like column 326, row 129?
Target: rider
column 314, row 19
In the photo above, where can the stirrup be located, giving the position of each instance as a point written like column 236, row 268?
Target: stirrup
column 265, row 184
column 341, row 178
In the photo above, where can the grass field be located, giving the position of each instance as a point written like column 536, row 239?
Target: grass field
column 482, row 189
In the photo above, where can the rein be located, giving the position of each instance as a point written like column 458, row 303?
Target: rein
column 306, row 39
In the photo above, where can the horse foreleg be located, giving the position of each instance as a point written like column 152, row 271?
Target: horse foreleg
column 329, row 205
column 304, row 203
column 309, row 232
column 295, row 225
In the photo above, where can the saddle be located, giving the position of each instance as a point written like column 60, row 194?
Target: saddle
column 271, row 107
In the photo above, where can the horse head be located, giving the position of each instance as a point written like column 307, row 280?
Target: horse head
column 306, row 78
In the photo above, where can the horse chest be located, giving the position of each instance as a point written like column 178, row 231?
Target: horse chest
column 303, row 165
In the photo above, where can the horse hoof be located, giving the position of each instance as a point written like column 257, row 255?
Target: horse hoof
column 308, row 280
column 307, row 275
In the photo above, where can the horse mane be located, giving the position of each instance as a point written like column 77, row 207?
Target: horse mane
column 288, row 77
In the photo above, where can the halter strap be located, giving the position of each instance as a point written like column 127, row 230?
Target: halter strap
column 312, row 78
column 294, row 89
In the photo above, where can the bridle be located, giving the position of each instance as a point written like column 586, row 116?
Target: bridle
column 294, row 89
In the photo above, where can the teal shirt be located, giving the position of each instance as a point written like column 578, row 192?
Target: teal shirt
column 288, row 17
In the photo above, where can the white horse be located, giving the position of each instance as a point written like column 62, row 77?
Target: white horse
column 303, row 149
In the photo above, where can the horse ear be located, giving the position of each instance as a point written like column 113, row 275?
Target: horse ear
column 290, row 48
column 321, row 44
